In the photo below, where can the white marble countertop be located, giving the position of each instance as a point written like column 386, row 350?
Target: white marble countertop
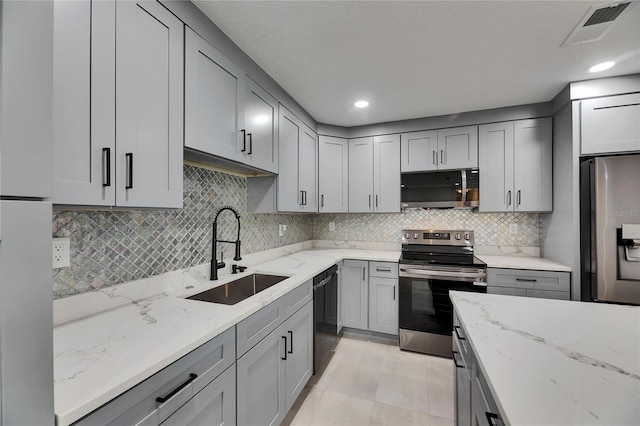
column 99, row 356
column 553, row 362
column 523, row 262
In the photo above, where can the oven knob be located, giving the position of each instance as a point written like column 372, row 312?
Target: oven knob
column 467, row 237
column 458, row 236
column 415, row 236
column 407, row 235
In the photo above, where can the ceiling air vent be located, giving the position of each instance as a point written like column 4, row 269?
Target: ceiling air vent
column 596, row 23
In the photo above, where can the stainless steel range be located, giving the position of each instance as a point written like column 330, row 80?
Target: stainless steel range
column 432, row 263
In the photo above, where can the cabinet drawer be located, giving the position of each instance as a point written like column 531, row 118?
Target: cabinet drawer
column 251, row 330
column 539, row 280
column 383, row 269
column 139, row 406
column 297, row 298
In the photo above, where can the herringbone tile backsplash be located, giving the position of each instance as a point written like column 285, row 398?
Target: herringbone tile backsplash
column 112, row 247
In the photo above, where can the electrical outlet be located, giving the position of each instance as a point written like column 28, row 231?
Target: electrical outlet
column 513, row 228
column 61, row 252
column 281, row 230
column 332, row 226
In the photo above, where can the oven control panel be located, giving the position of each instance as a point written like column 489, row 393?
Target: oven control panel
column 438, row 237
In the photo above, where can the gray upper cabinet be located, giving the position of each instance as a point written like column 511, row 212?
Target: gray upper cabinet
column 445, row 149
column 515, row 161
column 260, row 145
column 458, row 148
column 496, row 162
column 361, row 175
column 333, row 174
column 533, row 166
column 418, row 151
column 610, row 124
column 297, row 177
column 214, row 93
column 84, row 103
column 118, row 104
column 374, row 174
column 149, row 105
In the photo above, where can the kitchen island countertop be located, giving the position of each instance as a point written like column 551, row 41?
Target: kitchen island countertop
column 101, row 355
column 554, row 362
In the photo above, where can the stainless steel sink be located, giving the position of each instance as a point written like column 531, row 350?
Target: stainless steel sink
column 238, row 290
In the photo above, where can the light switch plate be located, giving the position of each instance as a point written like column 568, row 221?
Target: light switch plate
column 61, row 252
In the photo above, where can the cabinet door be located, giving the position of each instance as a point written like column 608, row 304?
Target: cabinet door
column 458, row 148
column 361, row 175
column 288, row 194
column 149, row 105
column 84, row 103
column 610, row 124
column 386, row 175
column 383, row 305
column 533, row 165
column 213, row 405
column 419, row 151
column 261, row 123
column 355, row 298
column 333, row 174
column 261, row 382
column 308, row 169
column 298, row 330
column 214, row 92
column 495, row 160
column 462, row 395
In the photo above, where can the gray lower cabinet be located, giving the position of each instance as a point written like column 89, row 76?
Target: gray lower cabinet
column 383, row 298
column 271, row 375
column 177, row 390
column 529, row 283
column 610, row 124
column 355, row 294
column 474, row 403
column 213, row 405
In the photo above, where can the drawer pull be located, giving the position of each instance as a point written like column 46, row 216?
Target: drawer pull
column 491, row 418
column 383, row 269
column 163, row 399
column 456, row 328
column 285, row 348
column 527, row 280
column 455, row 361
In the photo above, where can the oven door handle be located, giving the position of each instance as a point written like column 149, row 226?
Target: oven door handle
column 443, row 275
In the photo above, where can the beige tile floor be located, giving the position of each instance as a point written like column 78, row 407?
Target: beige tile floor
column 369, row 383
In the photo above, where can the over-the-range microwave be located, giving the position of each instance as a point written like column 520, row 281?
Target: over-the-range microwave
column 441, row 189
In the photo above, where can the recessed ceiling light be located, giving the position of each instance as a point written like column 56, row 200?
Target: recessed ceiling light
column 602, row 66
column 361, row 104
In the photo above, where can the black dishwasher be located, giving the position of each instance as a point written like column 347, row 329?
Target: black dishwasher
column 325, row 308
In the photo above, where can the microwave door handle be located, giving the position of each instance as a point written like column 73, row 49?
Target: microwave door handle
column 464, row 186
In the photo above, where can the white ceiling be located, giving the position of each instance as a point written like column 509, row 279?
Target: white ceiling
column 415, row 59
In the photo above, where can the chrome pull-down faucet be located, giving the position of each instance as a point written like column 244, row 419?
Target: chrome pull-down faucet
column 215, row 265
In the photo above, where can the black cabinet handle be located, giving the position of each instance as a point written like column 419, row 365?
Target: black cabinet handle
column 250, row 144
column 244, row 140
column 519, row 197
column 363, row 272
column 106, row 166
column 376, row 201
column 129, row 160
column 394, row 292
column 491, row 418
column 321, row 200
column 455, row 361
column 456, row 328
column 528, row 280
column 291, row 341
column 369, row 200
column 285, row 348
column 163, row 399
column 509, row 197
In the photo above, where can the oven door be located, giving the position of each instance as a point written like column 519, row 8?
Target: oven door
column 424, row 303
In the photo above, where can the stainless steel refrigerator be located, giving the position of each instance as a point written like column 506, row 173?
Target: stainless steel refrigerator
column 610, row 229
